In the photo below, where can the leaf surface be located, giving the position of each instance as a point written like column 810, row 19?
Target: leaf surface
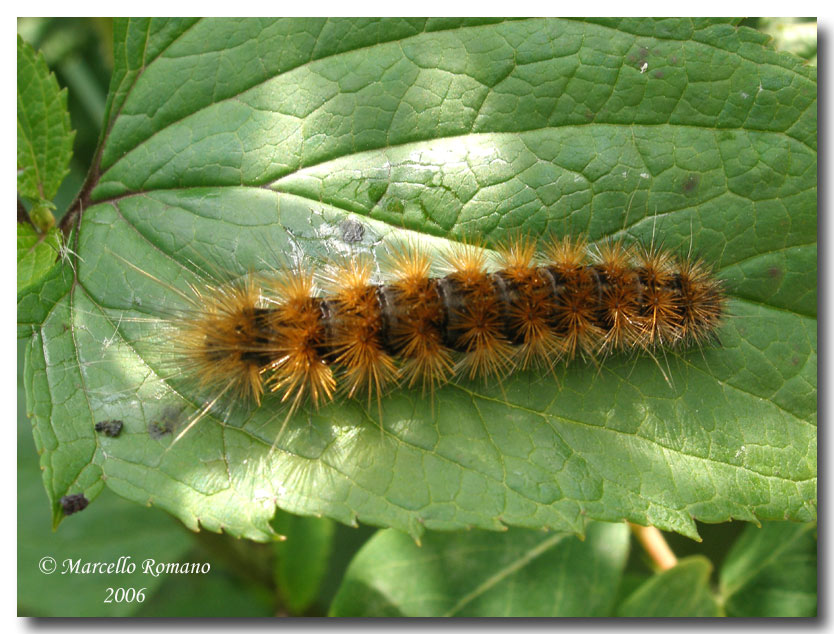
column 239, row 145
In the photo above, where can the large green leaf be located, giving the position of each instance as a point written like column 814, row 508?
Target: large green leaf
column 44, row 135
column 232, row 144
column 517, row 573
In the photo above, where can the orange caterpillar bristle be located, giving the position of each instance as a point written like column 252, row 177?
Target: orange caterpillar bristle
column 473, row 314
column 660, row 302
column 414, row 318
column 577, row 296
column 219, row 340
column 530, row 304
column 619, row 283
column 422, row 329
column 298, row 335
column 354, row 322
column 701, row 302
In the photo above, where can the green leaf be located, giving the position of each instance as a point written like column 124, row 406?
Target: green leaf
column 235, row 145
column 301, row 559
column 36, row 253
column 44, row 135
column 516, row 573
column 772, row 571
column 680, row 591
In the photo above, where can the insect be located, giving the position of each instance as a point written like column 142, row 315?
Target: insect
column 308, row 335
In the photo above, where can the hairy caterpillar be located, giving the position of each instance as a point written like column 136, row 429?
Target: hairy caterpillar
column 541, row 304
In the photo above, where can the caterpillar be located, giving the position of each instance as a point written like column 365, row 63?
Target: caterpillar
column 309, row 337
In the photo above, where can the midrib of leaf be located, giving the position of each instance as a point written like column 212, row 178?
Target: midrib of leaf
column 274, row 184
column 787, row 247
column 32, row 151
column 505, row 572
column 622, row 232
column 439, row 137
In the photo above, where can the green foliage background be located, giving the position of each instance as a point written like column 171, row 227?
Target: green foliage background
column 446, row 128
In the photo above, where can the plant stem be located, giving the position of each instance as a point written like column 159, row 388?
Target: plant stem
column 655, row 545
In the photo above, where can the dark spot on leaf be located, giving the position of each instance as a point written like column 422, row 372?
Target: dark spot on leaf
column 673, row 59
column 159, row 428
column 658, row 74
column 110, row 428
column 74, row 503
column 774, row 272
column 589, row 115
column 795, row 361
column 352, row 231
column 166, row 423
column 691, row 183
column 639, row 58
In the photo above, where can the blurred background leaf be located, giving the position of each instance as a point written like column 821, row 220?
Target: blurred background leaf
column 476, row 573
column 772, row 571
column 682, row 591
